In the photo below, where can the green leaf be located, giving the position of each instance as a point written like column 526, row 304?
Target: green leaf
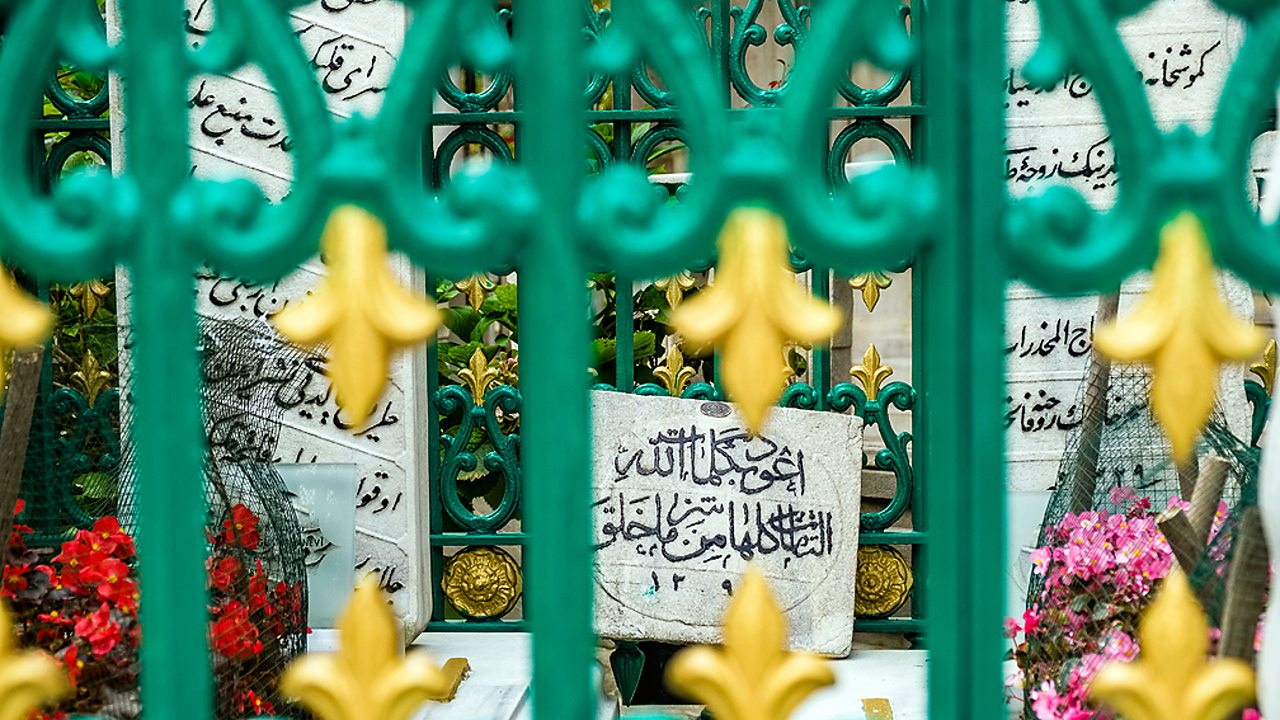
column 98, row 486
column 503, row 300
column 645, row 344
column 461, row 321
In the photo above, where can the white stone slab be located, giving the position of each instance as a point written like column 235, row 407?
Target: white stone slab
column 1182, row 49
column 684, row 500
column 238, row 130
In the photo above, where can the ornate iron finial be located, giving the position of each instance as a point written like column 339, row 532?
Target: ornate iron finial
column 91, row 378
column 89, row 296
column 359, row 309
column 1265, row 368
column 367, row 679
column 673, row 373
column 23, row 321
column 28, row 678
column 1173, row 679
column 870, row 284
column 871, row 374
column 475, row 288
column 754, row 676
column 1185, row 331
column 478, row 375
column 675, row 287
column 751, row 311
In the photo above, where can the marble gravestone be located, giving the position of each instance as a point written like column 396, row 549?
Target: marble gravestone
column 238, row 130
column 1182, row 49
column 684, row 499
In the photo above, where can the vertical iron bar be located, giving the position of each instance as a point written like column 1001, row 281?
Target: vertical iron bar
column 624, row 329
column 555, row 336
column 820, row 370
column 168, row 430
column 961, row 361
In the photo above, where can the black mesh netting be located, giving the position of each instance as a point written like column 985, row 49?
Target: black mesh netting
column 77, row 597
column 1121, row 517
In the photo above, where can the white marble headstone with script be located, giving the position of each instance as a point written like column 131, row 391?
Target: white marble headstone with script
column 238, row 130
column 1182, row 50
column 684, row 499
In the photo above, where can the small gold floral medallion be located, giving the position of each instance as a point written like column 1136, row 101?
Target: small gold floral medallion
column 884, row 581
column 482, row 582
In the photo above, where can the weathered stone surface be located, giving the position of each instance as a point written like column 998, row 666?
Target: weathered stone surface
column 684, row 500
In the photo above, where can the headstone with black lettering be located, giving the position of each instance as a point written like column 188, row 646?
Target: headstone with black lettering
column 238, row 130
column 685, row 499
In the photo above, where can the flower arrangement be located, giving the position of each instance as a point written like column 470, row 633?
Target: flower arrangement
column 1099, row 569
column 81, row 605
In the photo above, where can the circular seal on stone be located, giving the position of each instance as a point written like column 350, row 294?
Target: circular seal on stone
column 716, row 409
column 884, row 581
column 482, row 583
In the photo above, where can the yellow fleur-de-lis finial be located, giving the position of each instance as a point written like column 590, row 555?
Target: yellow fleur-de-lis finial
column 673, row 373
column 359, row 309
column 1185, row 331
column 23, row 321
column 870, row 284
column 28, row 678
column 871, row 374
column 675, row 286
column 1173, row 678
column 1265, row 368
column 478, row 376
column 751, row 310
column 475, row 288
column 754, row 676
column 367, row 679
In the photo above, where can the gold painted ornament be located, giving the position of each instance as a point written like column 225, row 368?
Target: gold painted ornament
column 359, row 310
column 28, row 678
column 884, row 581
column 753, row 676
column 673, row 373
column 89, row 296
column 91, row 378
column 751, row 310
column 24, row 321
column 1185, row 331
column 367, row 679
column 1265, row 368
column 1174, row 678
column 482, row 582
column 478, row 376
column 870, row 284
column 475, row 288
column 871, row 374
column 674, row 287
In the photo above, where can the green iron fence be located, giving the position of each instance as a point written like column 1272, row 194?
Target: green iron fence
column 555, row 225
column 633, row 120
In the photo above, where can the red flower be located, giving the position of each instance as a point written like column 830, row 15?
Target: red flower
column 56, row 617
column 242, row 529
column 258, row 587
column 71, row 658
column 251, row 700
column 223, row 573
column 18, row 507
column 75, row 557
column 112, row 578
column 234, row 635
column 15, row 579
column 100, row 630
column 107, row 533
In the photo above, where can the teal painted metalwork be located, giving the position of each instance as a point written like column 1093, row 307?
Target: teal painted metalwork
column 1058, row 243
column 960, row 361
column 1260, row 404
